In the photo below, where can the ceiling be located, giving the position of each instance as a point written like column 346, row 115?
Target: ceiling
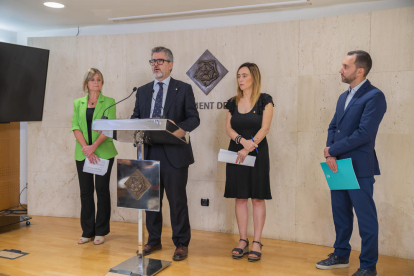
column 32, row 15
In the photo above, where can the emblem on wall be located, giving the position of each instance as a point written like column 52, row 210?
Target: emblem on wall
column 207, row 72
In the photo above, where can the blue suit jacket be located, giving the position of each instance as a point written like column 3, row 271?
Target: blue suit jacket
column 353, row 131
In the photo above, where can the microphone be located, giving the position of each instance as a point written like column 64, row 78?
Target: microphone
column 103, row 115
column 155, row 102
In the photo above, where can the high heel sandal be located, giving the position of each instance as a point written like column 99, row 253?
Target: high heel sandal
column 258, row 254
column 241, row 252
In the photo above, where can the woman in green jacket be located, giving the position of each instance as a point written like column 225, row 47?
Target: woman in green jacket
column 93, row 145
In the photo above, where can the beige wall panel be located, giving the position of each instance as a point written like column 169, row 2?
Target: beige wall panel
column 275, row 48
column 310, row 154
column 210, row 137
column 62, row 61
column 299, row 62
column 220, row 42
column 324, row 42
column 205, row 148
column 284, row 91
column 394, row 194
column 314, row 223
column 191, row 46
column 399, row 92
column 392, row 36
column 138, row 70
column 394, row 154
column 60, row 95
column 283, row 156
column 51, row 150
column 219, row 216
column 104, row 52
column 399, row 226
column 280, row 213
column 318, row 96
column 55, row 193
column 395, row 216
column 223, row 91
column 244, row 50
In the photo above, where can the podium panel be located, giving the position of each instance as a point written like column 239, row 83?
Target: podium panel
column 138, row 181
column 138, row 184
column 155, row 131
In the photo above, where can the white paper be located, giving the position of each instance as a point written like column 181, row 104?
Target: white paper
column 100, row 168
column 231, row 156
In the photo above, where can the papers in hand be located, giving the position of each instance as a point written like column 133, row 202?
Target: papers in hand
column 231, row 156
column 100, row 168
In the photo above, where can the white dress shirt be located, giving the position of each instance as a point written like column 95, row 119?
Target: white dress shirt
column 165, row 84
column 351, row 92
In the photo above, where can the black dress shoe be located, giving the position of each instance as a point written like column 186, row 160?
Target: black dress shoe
column 151, row 248
column 364, row 272
column 181, row 253
column 333, row 262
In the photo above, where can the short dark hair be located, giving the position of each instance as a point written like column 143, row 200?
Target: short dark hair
column 362, row 60
column 167, row 52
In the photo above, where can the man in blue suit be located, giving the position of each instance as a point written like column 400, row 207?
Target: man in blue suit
column 351, row 134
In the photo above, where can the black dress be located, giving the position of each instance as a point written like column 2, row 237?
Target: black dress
column 244, row 181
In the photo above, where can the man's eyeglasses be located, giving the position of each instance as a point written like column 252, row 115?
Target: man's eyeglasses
column 158, row 61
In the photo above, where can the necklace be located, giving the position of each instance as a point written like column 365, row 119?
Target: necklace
column 92, row 102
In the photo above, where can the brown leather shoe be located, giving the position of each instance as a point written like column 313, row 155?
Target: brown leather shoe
column 151, row 248
column 181, row 253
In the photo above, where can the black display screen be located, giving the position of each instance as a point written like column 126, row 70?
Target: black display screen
column 23, row 72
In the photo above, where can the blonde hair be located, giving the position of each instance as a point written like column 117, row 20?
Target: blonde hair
column 88, row 76
column 255, row 72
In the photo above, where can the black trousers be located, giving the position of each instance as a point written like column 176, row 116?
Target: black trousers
column 174, row 182
column 90, row 227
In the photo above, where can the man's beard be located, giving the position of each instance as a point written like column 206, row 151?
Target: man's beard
column 350, row 79
column 159, row 75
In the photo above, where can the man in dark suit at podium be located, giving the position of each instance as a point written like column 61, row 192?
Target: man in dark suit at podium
column 171, row 99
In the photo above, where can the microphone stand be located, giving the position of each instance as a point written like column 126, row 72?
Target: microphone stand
column 103, row 115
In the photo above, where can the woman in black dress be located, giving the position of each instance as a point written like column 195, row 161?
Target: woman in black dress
column 249, row 115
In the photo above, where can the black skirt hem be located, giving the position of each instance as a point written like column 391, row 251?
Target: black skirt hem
column 247, row 197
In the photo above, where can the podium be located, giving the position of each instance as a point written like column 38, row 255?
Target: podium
column 138, row 181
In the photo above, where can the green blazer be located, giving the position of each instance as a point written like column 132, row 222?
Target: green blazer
column 107, row 149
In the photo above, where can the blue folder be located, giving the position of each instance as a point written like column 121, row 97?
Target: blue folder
column 344, row 179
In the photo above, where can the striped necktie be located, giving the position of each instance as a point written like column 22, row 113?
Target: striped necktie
column 156, row 113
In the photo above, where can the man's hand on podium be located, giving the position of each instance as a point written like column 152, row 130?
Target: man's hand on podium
column 180, row 133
